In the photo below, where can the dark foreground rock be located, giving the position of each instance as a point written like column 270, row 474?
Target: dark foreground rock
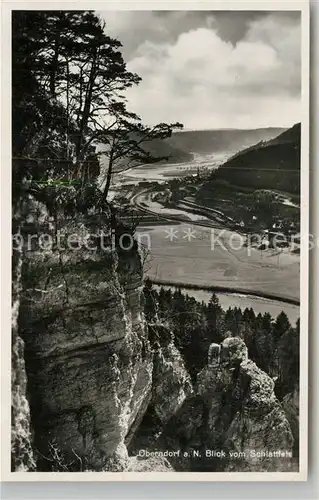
column 21, row 449
column 233, row 422
column 88, row 358
column 103, row 385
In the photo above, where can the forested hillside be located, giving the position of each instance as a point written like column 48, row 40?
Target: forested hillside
column 273, row 164
column 215, row 141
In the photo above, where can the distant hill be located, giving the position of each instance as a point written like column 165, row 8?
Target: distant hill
column 272, row 164
column 174, row 153
column 180, row 146
column 292, row 135
column 156, row 148
column 216, row 141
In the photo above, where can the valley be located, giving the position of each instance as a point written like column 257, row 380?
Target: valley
column 193, row 230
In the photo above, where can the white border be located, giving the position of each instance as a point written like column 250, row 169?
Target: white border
column 6, row 474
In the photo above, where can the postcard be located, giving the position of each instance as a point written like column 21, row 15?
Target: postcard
column 158, row 255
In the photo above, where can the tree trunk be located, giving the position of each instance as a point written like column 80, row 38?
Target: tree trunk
column 86, row 111
column 109, row 175
column 55, row 59
column 80, row 97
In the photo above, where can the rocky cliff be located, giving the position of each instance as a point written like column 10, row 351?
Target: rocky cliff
column 244, row 418
column 171, row 387
column 93, row 366
column 103, row 384
column 171, row 381
column 88, row 357
column 232, row 422
column 22, row 453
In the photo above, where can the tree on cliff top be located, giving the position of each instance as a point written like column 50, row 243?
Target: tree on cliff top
column 69, row 81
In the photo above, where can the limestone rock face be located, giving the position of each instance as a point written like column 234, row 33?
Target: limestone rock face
column 214, row 354
column 234, row 411
column 88, row 358
column 99, row 381
column 21, row 449
column 290, row 404
column 233, row 351
column 152, row 464
column 171, row 381
column 259, row 427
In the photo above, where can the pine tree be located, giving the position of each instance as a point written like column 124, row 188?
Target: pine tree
column 288, row 361
column 214, row 316
column 69, row 83
column 281, row 325
column 150, row 301
column 264, row 343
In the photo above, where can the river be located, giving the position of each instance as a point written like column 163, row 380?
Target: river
column 258, row 304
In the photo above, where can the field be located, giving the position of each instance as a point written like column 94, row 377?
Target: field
column 191, row 258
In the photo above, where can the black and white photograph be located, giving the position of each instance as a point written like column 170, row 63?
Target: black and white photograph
column 159, row 257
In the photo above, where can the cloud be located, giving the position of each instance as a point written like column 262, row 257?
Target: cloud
column 134, row 27
column 197, row 70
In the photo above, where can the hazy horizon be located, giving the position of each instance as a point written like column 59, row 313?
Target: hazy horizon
column 185, row 129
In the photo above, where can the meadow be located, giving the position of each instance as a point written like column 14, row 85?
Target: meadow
column 189, row 258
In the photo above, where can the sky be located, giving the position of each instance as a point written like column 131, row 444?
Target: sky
column 212, row 70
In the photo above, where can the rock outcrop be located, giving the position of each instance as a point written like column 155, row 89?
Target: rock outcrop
column 102, row 382
column 21, row 449
column 88, row 358
column 234, row 421
column 290, row 404
column 171, row 381
column 152, row 464
column 171, row 387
